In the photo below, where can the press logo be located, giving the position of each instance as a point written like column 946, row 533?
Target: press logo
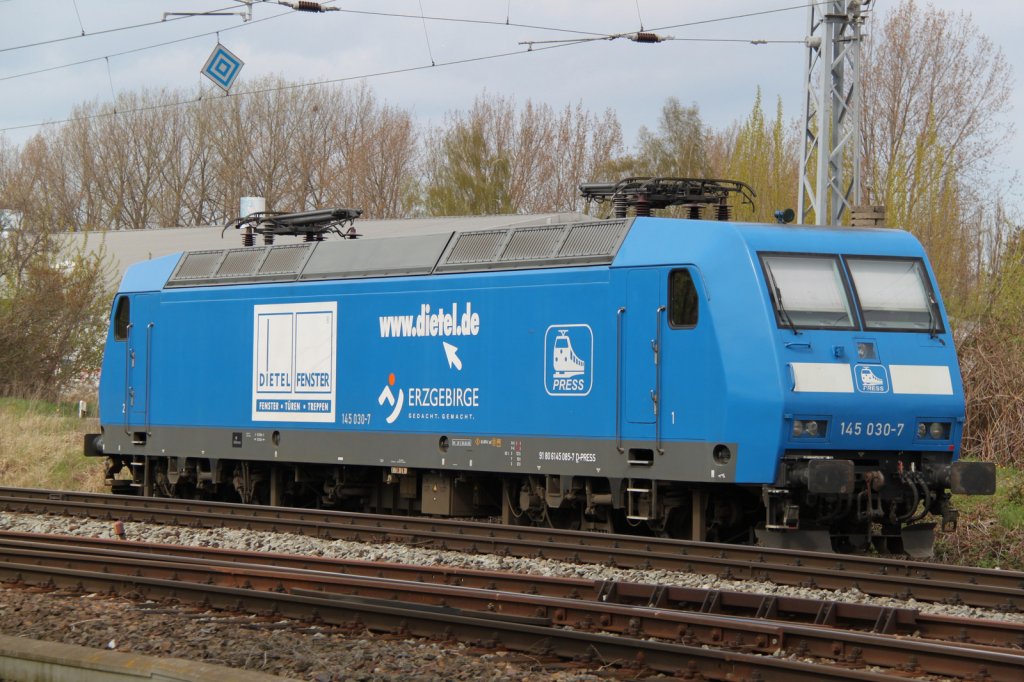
column 872, row 379
column 568, row 359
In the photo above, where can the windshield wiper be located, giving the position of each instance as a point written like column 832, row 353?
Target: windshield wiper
column 933, row 319
column 783, row 313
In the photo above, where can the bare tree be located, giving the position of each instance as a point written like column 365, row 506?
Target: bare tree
column 677, row 149
column 377, row 155
column 499, row 157
column 936, row 95
column 52, row 303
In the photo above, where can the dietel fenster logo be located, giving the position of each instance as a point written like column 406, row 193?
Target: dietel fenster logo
column 872, row 379
column 294, row 360
column 568, row 359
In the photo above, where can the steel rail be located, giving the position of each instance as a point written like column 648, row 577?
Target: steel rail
column 770, row 607
column 476, row 628
column 745, row 635
column 988, row 588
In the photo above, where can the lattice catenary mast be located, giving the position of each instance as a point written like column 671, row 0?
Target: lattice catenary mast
column 830, row 159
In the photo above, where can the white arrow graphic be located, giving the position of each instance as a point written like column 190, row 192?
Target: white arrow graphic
column 453, row 359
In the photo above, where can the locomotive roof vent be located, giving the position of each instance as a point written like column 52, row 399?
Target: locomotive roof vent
column 590, row 243
column 280, row 263
column 646, row 194
column 313, row 226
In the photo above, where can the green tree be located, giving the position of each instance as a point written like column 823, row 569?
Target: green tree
column 52, row 324
column 468, row 177
column 763, row 154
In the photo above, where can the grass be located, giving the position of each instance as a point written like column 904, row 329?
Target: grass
column 41, row 446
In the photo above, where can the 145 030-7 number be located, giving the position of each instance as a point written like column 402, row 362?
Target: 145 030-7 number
column 872, row 429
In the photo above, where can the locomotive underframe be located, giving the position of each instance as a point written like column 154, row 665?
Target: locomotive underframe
column 646, row 506
column 825, row 501
column 848, row 501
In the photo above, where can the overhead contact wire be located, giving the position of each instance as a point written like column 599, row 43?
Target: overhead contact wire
column 100, row 32
column 592, row 37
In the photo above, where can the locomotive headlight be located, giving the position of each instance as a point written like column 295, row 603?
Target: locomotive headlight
column 798, row 428
column 933, row 430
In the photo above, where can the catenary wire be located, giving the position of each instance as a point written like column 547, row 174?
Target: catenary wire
column 279, row 88
column 421, row 17
column 185, row 39
column 597, row 36
column 104, row 32
column 594, row 36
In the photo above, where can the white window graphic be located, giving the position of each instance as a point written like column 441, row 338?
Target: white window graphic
column 294, row 362
column 568, row 359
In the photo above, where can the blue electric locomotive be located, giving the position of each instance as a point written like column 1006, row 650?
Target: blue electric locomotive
column 701, row 379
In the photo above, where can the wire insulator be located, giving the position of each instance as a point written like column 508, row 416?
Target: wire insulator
column 619, row 206
column 646, row 37
column 248, row 238
column 268, row 238
column 724, row 212
column 693, row 213
column 642, row 206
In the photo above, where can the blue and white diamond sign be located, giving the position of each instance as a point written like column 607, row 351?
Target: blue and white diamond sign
column 222, row 67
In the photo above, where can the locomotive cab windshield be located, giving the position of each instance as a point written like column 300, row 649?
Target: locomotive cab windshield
column 812, row 291
column 808, row 291
column 894, row 294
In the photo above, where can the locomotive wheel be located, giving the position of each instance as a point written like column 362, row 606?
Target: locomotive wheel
column 512, row 514
column 678, row 525
column 570, row 518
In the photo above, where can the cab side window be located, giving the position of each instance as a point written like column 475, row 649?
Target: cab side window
column 122, row 317
column 682, row 299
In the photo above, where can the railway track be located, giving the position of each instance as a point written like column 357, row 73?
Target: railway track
column 791, row 610
column 878, row 576
column 561, row 617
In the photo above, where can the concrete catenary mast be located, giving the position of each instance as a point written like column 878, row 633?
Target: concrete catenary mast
column 830, row 159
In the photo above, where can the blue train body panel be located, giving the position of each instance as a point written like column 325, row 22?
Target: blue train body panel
column 557, row 354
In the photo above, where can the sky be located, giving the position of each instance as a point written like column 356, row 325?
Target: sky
column 434, row 56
